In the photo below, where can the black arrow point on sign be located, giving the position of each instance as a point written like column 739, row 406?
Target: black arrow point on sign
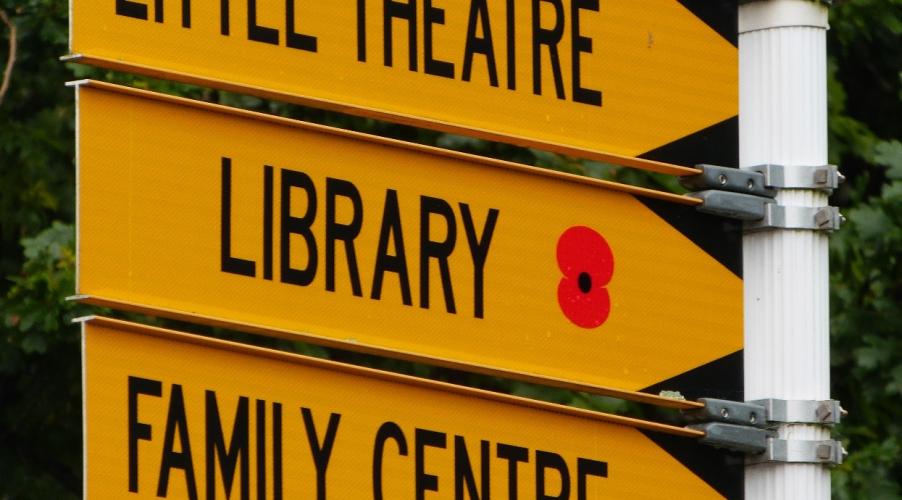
column 721, row 379
column 720, row 15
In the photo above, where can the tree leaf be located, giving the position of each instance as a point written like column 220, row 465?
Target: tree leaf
column 889, row 154
column 870, row 222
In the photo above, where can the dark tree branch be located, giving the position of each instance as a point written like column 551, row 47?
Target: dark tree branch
column 7, row 72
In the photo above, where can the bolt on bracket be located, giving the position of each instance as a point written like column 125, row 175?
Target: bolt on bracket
column 762, row 445
column 752, row 413
column 728, row 179
column 766, row 412
column 747, row 194
column 750, row 427
column 764, row 180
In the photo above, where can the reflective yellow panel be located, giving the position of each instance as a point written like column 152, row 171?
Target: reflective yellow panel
column 616, row 76
column 239, row 217
column 177, row 416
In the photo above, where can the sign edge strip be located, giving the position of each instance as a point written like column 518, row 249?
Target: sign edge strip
column 240, row 348
column 627, row 161
column 84, row 409
column 386, row 141
column 638, row 397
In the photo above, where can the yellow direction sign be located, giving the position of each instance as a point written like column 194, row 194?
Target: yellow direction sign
column 577, row 76
column 163, row 418
column 346, row 239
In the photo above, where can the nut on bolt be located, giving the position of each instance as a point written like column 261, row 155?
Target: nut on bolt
column 823, row 412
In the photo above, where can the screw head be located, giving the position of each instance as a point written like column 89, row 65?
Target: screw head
column 725, row 413
column 722, row 179
column 753, row 418
column 824, row 412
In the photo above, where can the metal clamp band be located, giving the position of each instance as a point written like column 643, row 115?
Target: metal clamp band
column 796, row 217
column 828, row 452
column 765, row 412
column 820, row 177
column 751, row 427
column 793, row 411
column 761, row 446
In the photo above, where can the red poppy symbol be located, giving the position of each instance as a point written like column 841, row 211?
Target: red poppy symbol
column 587, row 263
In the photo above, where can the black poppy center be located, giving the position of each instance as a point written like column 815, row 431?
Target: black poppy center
column 585, row 282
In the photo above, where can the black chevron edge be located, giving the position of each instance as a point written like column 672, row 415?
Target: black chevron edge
column 722, row 471
column 721, row 238
column 720, row 379
column 717, row 144
column 720, row 15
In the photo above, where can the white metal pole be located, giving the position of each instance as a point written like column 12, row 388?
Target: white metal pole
column 783, row 121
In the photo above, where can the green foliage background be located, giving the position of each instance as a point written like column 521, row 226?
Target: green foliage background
column 40, row 406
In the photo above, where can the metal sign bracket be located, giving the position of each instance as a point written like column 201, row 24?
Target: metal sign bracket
column 741, row 206
column 796, row 217
column 748, row 194
column 746, row 181
column 798, row 451
column 819, row 177
column 797, row 411
column 752, row 428
column 733, row 437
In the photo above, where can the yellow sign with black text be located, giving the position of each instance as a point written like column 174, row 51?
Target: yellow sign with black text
column 371, row 244
column 164, row 419
column 577, row 76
